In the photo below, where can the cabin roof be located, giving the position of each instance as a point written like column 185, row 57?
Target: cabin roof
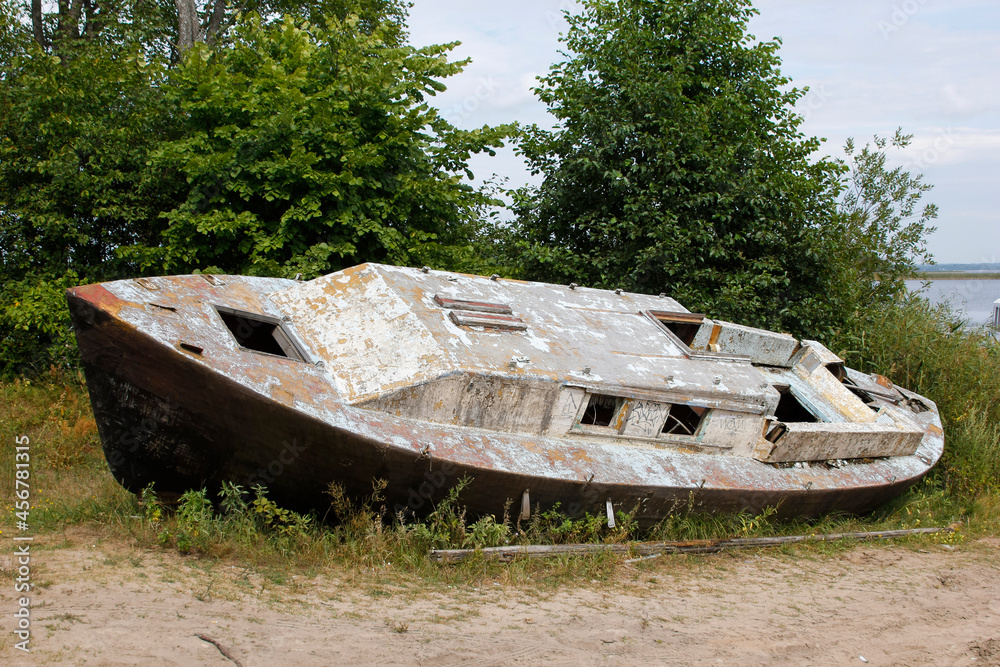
column 380, row 328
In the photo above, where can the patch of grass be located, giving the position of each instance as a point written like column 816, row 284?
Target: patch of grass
column 930, row 350
column 398, row 626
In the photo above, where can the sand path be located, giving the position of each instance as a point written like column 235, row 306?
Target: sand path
column 111, row 604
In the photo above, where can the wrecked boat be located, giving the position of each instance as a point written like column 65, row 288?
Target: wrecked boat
column 544, row 395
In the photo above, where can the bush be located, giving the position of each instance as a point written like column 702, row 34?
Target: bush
column 930, row 350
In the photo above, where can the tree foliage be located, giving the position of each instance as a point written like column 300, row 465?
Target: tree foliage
column 74, row 184
column 309, row 150
column 168, row 28
column 678, row 166
column 879, row 234
column 286, row 148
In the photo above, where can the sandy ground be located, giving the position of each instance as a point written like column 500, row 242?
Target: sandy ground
column 110, row 604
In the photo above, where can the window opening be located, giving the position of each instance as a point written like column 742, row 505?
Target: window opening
column 601, row 410
column 683, row 325
column 684, row 419
column 773, row 433
column 790, row 409
column 916, row 405
column 260, row 334
column 865, row 397
column 838, row 371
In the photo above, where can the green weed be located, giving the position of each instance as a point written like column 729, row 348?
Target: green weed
column 934, row 352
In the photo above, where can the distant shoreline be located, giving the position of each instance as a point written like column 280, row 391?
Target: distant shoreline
column 957, row 275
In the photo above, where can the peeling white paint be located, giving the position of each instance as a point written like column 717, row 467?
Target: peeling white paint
column 380, row 335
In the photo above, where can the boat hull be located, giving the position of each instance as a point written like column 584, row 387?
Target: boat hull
column 168, row 418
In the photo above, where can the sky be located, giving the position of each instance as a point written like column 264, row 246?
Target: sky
column 931, row 67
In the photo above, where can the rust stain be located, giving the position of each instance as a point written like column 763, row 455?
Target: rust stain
column 282, row 396
column 716, row 331
column 883, row 381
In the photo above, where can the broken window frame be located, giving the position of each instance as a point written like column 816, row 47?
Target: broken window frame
column 619, row 415
column 662, row 317
column 863, row 395
column 477, row 306
column 618, row 422
column 280, row 334
column 786, row 390
column 682, row 423
column 466, row 313
column 468, row 318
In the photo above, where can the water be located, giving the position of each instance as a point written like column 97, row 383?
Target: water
column 973, row 298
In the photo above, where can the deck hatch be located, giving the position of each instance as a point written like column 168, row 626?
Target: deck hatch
column 683, row 325
column 468, row 318
column 260, row 333
column 476, row 306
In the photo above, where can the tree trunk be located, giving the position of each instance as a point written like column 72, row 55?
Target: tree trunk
column 36, row 23
column 68, row 25
column 215, row 22
column 95, row 19
column 187, row 25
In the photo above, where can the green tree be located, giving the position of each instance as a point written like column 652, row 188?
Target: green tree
column 678, row 166
column 279, row 150
column 307, row 150
column 74, row 184
column 879, row 234
column 169, row 28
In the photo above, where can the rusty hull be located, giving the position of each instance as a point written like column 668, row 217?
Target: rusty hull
column 391, row 386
